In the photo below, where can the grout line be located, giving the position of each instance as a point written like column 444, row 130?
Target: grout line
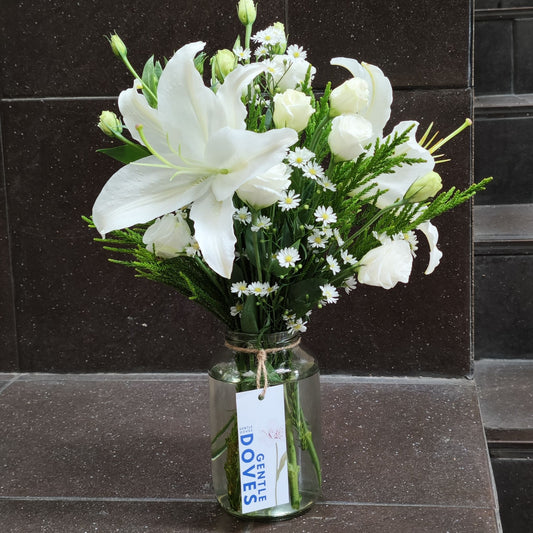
column 74, row 499
column 12, row 380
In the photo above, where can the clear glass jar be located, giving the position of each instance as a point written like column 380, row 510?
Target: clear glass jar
column 235, row 371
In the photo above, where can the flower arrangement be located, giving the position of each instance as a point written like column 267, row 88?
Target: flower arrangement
column 256, row 197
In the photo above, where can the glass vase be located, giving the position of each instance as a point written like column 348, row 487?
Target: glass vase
column 236, row 370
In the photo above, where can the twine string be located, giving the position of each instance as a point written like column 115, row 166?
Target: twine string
column 261, row 356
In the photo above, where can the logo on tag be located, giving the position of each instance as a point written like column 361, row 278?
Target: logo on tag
column 262, row 449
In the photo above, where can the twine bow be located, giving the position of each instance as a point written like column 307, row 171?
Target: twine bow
column 261, row 355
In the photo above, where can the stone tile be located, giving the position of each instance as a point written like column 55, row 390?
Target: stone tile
column 64, row 517
column 427, row 448
column 505, row 397
column 503, row 150
column 514, row 479
column 409, row 56
column 493, row 57
column 8, row 339
column 523, row 62
column 77, row 312
column 76, row 438
column 79, row 61
column 503, row 306
column 106, row 439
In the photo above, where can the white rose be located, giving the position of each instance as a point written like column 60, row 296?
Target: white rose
column 292, row 71
column 349, row 135
column 292, row 109
column 168, row 236
column 266, row 189
column 387, row 264
column 350, row 97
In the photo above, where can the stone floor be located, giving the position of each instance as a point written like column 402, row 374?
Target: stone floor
column 130, row 453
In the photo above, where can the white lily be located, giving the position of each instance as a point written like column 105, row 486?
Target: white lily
column 396, row 183
column 377, row 110
column 202, row 153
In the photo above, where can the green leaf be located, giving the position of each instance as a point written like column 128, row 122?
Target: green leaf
column 126, row 153
column 150, row 78
column 249, row 315
column 304, row 295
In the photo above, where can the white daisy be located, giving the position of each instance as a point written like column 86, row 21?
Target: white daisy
column 349, row 284
column 333, row 264
column 313, row 170
column 236, row 309
column 300, row 157
column 270, row 36
column 348, row 258
column 243, row 215
column 297, row 52
column 287, row 257
column 326, row 184
column 297, row 326
column 262, row 51
column 240, row 288
column 258, row 288
column 243, row 54
column 290, row 200
column 325, row 215
column 329, row 292
column 271, row 289
column 261, row 223
column 272, row 68
column 317, row 240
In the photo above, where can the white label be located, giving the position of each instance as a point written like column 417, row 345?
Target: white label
column 262, row 449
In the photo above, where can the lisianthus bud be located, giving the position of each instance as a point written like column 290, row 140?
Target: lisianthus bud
column 292, row 109
column 349, row 135
column 387, row 264
column 118, row 46
column 350, row 97
column 423, row 188
column 247, row 12
column 109, row 123
column 168, row 236
column 223, row 63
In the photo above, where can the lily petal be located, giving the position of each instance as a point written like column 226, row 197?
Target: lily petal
column 229, row 93
column 189, row 111
column 134, row 196
column 135, row 110
column 213, row 230
column 432, row 235
column 246, row 154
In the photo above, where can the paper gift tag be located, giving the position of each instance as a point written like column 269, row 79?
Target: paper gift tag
column 262, row 449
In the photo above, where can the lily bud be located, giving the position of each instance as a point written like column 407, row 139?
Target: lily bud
column 109, row 123
column 424, row 188
column 247, row 12
column 222, row 64
column 118, row 46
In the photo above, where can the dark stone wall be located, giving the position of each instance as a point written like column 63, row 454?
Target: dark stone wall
column 65, row 308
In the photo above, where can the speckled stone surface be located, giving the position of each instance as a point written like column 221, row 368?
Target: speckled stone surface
column 506, row 399
column 131, row 453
